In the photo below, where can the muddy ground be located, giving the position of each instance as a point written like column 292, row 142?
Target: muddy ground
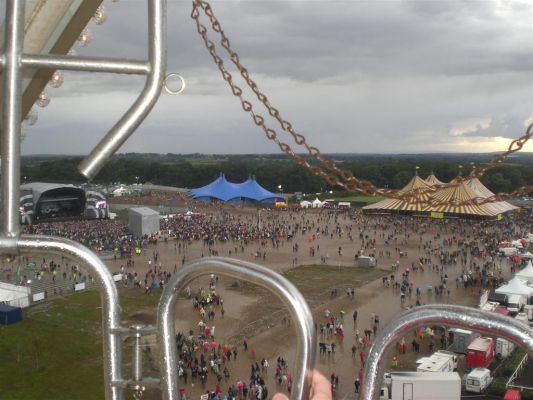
column 251, row 312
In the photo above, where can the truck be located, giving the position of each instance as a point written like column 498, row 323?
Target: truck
column 515, row 303
column 478, row 380
column 422, row 386
column 480, row 353
column 522, row 317
column 498, row 298
column 366, row 261
column 504, row 348
column 528, row 310
column 440, row 361
column 460, row 339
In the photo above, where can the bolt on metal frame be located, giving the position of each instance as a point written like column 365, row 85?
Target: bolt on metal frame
column 12, row 243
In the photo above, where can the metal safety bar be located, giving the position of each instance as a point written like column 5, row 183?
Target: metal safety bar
column 254, row 273
column 441, row 315
column 13, row 61
column 111, row 311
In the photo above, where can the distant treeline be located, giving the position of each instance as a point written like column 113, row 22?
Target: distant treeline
column 383, row 171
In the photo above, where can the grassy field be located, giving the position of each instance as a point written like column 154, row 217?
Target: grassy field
column 360, row 199
column 315, row 282
column 56, row 352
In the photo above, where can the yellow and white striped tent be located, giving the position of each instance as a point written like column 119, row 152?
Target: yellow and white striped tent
column 462, row 190
column 415, row 185
column 432, row 180
column 498, row 207
column 460, row 193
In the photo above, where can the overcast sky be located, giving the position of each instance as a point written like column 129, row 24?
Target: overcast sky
column 352, row 76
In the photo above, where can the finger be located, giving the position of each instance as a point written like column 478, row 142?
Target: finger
column 280, row 396
column 320, row 387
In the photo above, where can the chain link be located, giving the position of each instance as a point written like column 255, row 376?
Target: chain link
column 331, row 173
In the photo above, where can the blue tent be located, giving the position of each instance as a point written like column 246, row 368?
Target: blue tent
column 221, row 189
column 10, row 315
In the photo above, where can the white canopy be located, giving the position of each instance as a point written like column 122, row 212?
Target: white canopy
column 527, row 255
column 317, row 203
column 517, row 244
column 305, row 204
column 526, row 273
column 515, row 286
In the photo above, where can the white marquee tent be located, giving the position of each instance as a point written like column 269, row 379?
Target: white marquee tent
column 16, row 296
column 527, row 273
column 515, row 286
column 306, row 204
column 317, row 203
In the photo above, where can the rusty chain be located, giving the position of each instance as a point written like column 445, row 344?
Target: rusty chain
column 332, row 174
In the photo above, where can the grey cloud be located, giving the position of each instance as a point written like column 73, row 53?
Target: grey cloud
column 352, row 76
column 508, row 126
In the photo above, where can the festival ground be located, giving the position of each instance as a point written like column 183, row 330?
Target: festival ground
column 255, row 314
column 323, row 268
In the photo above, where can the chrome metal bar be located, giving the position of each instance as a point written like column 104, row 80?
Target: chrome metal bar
column 257, row 274
column 11, row 111
column 130, row 384
column 112, row 355
column 123, row 129
column 137, row 360
column 89, row 64
column 444, row 315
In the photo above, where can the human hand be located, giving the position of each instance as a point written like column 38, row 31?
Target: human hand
column 320, row 389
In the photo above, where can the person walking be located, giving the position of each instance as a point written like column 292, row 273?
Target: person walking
column 357, row 384
column 362, row 356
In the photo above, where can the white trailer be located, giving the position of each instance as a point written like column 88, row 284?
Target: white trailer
column 461, row 339
column 422, row 386
column 478, row 380
column 366, row 261
column 504, row 348
column 516, row 302
column 528, row 310
column 439, row 362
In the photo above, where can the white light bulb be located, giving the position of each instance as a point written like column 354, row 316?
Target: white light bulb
column 84, row 38
column 31, row 117
column 100, row 16
column 56, row 80
column 43, row 100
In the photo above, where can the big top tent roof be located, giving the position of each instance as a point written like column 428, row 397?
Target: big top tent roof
column 415, row 185
column 255, row 191
column 460, row 191
column 222, row 189
column 432, row 180
column 497, row 207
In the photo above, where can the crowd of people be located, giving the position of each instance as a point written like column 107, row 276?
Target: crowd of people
column 456, row 257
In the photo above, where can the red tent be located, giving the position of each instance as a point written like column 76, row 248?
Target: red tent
column 512, row 394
